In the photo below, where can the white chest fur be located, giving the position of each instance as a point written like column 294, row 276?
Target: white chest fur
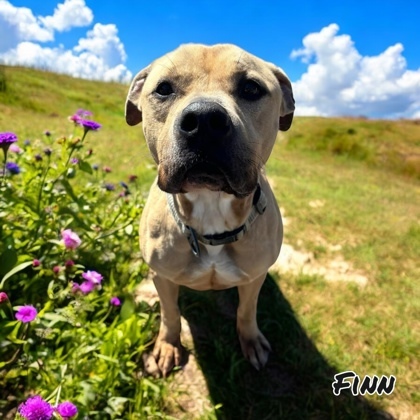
column 211, row 211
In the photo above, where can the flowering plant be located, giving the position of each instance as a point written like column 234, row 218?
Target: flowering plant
column 72, row 336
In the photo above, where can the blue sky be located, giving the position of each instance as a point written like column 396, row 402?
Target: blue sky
column 344, row 58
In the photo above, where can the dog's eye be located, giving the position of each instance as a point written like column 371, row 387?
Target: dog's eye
column 164, row 89
column 251, row 90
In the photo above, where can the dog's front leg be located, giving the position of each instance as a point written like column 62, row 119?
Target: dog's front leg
column 168, row 349
column 255, row 346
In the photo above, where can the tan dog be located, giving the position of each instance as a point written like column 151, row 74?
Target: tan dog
column 210, row 117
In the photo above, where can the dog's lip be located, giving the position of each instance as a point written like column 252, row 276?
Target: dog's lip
column 204, row 175
column 205, row 170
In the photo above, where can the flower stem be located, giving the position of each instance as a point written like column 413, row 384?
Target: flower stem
column 4, row 168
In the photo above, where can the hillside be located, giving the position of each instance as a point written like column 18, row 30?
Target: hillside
column 349, row 192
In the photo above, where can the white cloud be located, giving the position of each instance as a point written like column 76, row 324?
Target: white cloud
column 103, row 41
column 100, row 55
column 67, row 15
column 340, row 81
column 19, row 24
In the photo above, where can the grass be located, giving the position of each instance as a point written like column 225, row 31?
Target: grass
column 366, row 173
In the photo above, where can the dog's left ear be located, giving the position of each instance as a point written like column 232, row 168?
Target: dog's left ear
column 132, row 107
column 287, row 106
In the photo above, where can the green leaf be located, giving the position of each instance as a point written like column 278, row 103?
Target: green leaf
column 129, row 229
column 107, row 358
column 15, row 270
column 128, row 308
column 71, row 173
column 7, row 260
column 85, row 167
column 69, row 190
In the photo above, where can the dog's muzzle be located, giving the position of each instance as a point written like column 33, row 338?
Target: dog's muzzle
column 204, row 122
column 204, row 134
column 208, row 154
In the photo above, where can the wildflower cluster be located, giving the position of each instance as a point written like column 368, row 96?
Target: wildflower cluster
column 36, row 408
column 68, row 269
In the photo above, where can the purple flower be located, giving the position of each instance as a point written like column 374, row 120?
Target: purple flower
column 86, row 287
column 92, row 280
column 66, row 409
column 35, row 408
column 36, row 263
column 69, row 263
column 75, row 118
column 3, row 297
column 109, row 187
column 38, row 157
column 74, row 161
column 107, row 169
column 75, row 287
column 26, row 313
column 47, row 133
column 15, row 148
column 89, row 125
column 48, row 151
column 71, row 240
column 114, row 301
column 93, row 277
column 27, row 142
column 7, row 138
column 13, row 168
column 83, row 112
column 56, row 269
column 95, row 166
column 132, row 178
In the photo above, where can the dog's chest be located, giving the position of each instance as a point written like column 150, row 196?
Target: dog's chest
column 215, row 269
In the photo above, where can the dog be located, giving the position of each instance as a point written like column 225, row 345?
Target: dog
column 210, row 117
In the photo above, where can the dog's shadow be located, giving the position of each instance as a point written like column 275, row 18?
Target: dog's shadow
column 297, row 380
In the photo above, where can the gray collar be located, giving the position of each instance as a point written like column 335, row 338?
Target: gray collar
column 259, row 203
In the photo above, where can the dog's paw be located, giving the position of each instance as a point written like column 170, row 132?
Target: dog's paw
column 255, row 349
column 167, row 355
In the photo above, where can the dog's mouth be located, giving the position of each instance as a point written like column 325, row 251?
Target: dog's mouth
column 205, row 175
column 194, row 174
column 200, row 175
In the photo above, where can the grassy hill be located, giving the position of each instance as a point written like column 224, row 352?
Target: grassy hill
column 349, row 188
column 33, row 101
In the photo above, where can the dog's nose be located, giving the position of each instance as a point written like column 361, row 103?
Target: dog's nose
column 205, row 120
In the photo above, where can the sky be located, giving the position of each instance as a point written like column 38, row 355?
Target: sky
column 344, row 58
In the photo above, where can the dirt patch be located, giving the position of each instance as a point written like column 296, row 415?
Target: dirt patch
column 335, row 269
column 188, row 386
column 332, row 268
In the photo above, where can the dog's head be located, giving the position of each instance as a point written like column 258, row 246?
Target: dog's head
column 210, row 116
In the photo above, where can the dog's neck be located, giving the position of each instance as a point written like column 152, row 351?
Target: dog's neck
column 212, row 212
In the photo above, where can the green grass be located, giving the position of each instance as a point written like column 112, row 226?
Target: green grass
column 367, row 174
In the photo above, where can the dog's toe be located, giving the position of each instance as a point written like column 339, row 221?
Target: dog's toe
column 167, row 356
column 256, row 350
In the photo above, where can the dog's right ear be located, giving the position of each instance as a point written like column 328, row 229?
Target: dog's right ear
column 132, row 107
column 287, row 107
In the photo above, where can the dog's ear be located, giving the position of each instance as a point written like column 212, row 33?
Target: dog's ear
column 132, row 107
column 287, row 106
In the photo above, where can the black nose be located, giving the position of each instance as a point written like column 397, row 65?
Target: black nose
column 205, row 120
